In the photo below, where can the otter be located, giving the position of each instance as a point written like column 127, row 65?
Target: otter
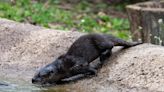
column 75, row 63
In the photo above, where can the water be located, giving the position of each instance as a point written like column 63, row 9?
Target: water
column 24, row 86
column 30, row 88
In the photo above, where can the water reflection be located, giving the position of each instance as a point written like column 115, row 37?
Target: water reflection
column 31, row 88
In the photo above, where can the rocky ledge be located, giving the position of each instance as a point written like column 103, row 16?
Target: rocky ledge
column 24, row 48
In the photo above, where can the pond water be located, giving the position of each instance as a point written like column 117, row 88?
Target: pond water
column 23, row 86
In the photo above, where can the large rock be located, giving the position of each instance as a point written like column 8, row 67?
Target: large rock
column 24, row 48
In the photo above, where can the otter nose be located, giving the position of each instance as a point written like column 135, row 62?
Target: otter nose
column 33, row 80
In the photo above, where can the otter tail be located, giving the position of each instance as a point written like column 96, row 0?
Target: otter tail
column 120, row 42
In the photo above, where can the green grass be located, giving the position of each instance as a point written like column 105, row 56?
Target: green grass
column 84, row 17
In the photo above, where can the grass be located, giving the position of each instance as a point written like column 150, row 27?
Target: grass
column 83, row 16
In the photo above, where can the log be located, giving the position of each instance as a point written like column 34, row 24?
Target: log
column 146, row 21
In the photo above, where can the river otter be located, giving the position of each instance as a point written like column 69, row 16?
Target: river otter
column 77, row 59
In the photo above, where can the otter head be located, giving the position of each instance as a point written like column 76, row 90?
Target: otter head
column 54, row 71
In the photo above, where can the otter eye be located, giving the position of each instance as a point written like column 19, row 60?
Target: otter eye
column 51, row 72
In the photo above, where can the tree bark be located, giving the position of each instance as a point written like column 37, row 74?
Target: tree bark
column 146, row 21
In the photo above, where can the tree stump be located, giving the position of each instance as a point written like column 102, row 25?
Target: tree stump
column 146, row 21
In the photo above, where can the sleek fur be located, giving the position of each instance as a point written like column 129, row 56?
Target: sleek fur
column 77, row 59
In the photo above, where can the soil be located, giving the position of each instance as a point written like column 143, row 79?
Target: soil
column 25, row 48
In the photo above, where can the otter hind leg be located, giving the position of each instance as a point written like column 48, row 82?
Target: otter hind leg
column 103, row 57
column 106, row 51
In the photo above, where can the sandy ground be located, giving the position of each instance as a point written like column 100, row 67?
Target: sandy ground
column 25, row 48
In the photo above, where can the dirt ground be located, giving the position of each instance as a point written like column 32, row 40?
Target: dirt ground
column 25, row 48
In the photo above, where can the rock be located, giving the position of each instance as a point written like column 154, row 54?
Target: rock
column 24, row 48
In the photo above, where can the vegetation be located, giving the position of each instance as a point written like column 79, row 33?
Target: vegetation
column 57, row 14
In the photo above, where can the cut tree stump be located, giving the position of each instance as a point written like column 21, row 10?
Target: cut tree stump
column 146, row 21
